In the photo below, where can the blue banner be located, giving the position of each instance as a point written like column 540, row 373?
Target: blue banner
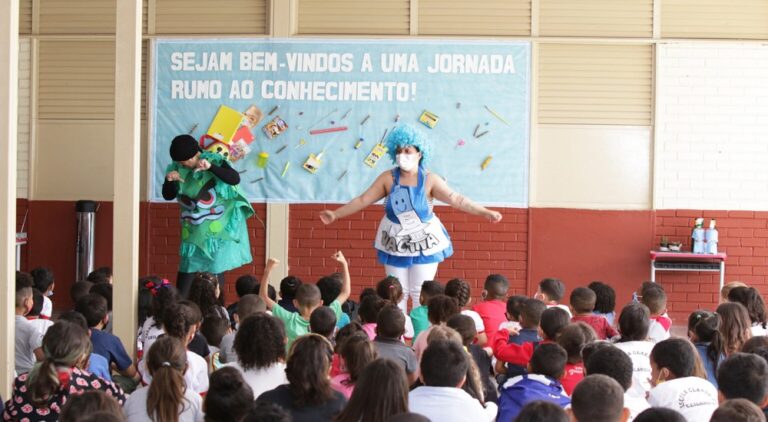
column 302, row 119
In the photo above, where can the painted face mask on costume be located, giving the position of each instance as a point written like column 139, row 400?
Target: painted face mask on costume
column 407, row 162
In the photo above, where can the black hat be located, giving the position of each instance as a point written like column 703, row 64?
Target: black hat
column 183, row 147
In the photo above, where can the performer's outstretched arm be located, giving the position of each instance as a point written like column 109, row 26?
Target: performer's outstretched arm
column 375, row 192
column 442, row 192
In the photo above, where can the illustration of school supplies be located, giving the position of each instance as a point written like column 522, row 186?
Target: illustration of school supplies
column 375, row 155
column 323, row 118
column 328, row 130
column 263, row 159
column 497, row 115
column 486, row 162
column 313, row 163
column 274, row 109
column 192, row 129
column 225, row 124
column 257, row 180
column 275, row 127
column 285, row 169
column 253, row 116
column 481, row 134
column 384, row 135
column 365, row 120
column 359, row 142
column 279, row 150
column 429, row 119
column 342, row 175
column 346, row 114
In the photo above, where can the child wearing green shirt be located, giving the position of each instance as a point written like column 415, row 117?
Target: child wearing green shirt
column 307, row 300
column 429, row 289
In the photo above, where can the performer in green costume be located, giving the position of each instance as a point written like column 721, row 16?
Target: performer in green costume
column 214, row 234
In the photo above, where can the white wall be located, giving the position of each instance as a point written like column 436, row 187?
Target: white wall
column 712, row 126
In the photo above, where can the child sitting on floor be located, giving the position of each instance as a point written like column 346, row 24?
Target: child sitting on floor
column 514, row 308
column 654, row 297
column 605, row 301
column 553, row 320
column 323, row 322
column 460, row 290
column 369, row 314
column 546, row 367
column 494, row 305
column 551, row 291
column 389, row 328
column 391, row 290
column 633, row 326
column 529, row 316
column 583, row 303
column 419, row 319
column 440, row 309
column 572, row 339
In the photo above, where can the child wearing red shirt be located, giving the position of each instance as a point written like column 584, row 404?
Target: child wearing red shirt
column 573, row 338
column 583, row 303
column 493, row 308
column 552, row 321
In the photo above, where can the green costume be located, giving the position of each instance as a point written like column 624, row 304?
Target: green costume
column 214, row 233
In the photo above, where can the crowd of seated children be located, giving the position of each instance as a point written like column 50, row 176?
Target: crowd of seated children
column 357, row 351
column 97, row 364
column 572, row 338
column 307, row 300
column 460, row 290
column 472, row 385
column 439, row 310
column 28, row 339
column 34, row 317
column 389, row 330
column 163, row 295
column 655, row 298
column 444, row 368
column 752, row 300
column 583, row 305
column 493, row 307
column 704, row 333
column 330, row 288
column 676, row 385
column 613, row 362
column 205, row 292
column 540, row 383
column 419, row 319
column 527, row 313
column 605, row 301
column 551, row 291
column 611, row 400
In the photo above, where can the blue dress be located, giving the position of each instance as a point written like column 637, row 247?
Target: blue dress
column 410, row 233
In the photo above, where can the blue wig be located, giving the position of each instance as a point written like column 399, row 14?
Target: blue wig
column 405, row 135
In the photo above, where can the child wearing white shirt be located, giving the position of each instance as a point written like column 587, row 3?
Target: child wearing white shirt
column 673, row 362
column 633, row 326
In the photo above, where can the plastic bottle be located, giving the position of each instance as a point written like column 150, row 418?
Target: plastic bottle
column 712, row 238
column 698, row 237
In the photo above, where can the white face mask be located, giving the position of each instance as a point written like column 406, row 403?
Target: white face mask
column 407, row 162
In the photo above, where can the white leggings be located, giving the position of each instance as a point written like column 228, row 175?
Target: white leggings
column 411, row 279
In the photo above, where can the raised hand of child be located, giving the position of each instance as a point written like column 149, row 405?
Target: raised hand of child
column 272, row 262
column 339, row 257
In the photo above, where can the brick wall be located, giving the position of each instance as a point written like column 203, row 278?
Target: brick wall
column 481, row 248
column 711, row 127
column 743, row 236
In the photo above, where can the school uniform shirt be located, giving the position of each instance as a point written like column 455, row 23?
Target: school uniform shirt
column 599, row 324
column 420, row 343
column 99, row 366
column 20, row 407
column 295, row 325
column 510, row 352
column 610, row 316
column 196, row 375
column 28, row 339
column 318, row 413
column 135, row 408
column 635, row 405
column 693, row 397
column 519, row 391
column 41, row 325
column 572, row 375
column 525, row 335
column 659, row 328
column 709, row 366
column 227, row 353
column 110, row 347
column 563, row 307
column 148, row 334
column 419, row 320
column 47, row 310
column 640, row 354
column 263, row 379
column 449, row 404
column 343, row 321
column 479, row 325
column 397, row 351
column 493, row 313
column 370, row 329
